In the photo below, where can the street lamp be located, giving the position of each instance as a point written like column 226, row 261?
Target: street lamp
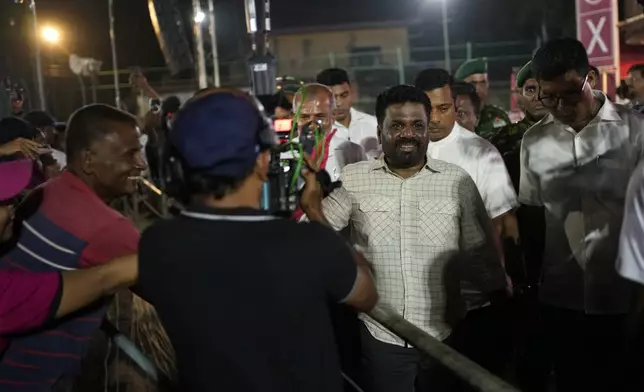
column 200, row 16
column 50, row 34
column 448, row 60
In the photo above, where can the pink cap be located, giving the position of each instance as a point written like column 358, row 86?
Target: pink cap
column 14, row 177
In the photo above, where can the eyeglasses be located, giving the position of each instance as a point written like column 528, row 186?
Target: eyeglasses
column 569, row 98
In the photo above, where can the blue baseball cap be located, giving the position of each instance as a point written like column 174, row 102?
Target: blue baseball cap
column 217, row 134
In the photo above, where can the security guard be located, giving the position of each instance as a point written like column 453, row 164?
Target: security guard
column 508, row 139
column 491, row 117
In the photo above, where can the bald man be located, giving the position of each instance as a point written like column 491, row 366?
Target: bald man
column 315, row 103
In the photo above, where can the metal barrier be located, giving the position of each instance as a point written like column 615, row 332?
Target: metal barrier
column 467, row 370
column 462, row 366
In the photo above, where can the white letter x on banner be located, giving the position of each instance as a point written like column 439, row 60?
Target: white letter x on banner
column 596, row 31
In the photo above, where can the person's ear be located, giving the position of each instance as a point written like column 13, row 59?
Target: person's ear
column 262, row 165
column 593, row 79
column 88, row 162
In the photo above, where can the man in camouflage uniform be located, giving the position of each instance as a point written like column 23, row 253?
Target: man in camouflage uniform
column 508, row 138
column 491, row 117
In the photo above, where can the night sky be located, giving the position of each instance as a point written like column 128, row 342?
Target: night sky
column 86, row 30
column 485, row 20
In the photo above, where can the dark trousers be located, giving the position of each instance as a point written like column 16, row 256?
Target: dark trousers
column 588, row 352
column 346, row 327
column 484, row 337
column 392, row 368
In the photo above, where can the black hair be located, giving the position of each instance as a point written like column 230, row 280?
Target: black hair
column 198, row 183
column 467, row 89
column 39, row 119
column 281, row 101
column 333, row 77
column 637, row 68
column 171, row 105
column 91, row 123
column 401, row 94
column 433, row 78
column 559, row 56
column 12, row 128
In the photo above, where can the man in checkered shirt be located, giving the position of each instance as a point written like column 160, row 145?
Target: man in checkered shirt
column 415, row 217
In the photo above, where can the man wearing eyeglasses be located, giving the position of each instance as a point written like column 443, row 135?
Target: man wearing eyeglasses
column 576, row 163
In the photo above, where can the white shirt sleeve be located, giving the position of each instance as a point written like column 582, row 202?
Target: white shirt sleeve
column 529, row 190
column 495, row 184
column 630, row 263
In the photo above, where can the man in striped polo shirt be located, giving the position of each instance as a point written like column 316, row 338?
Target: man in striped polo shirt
column 71, row 226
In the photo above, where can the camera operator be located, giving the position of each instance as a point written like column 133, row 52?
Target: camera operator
column 243, row 294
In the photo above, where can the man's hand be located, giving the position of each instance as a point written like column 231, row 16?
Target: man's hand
column 311, row 198
column 152, row 122
column 28, row 148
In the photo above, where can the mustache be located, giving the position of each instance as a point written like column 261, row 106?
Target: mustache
column 433, row 126
column 407, row 140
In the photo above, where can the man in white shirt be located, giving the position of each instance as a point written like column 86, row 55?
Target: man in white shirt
column 484, row 334
column 576, row 163
column 415, row 217
column 351, row 124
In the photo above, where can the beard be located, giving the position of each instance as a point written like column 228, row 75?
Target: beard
column 406, row 153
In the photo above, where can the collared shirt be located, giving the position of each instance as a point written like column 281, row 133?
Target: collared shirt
column 363, row 130
column 581, row 179
column 630, row 263
column 482, row 161
column 412, row 229
column 295, row 350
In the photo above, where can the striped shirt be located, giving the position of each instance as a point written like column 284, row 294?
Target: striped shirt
column 70, row 228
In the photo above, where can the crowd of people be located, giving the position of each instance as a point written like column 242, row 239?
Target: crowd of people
column 517, row 244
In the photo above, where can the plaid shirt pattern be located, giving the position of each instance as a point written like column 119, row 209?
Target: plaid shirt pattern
column 412, row 230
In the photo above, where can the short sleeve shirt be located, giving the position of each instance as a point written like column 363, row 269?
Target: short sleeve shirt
column 244, row 298
column 483, row 162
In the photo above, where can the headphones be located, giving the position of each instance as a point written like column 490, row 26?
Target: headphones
column 174, row 173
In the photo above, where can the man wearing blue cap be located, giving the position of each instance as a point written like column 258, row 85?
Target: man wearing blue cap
column 243, row 294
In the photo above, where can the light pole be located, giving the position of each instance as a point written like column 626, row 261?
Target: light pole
column 213, row 42
column 115, row 63
column 199, row 17
column 448, row 60
column 39, row 75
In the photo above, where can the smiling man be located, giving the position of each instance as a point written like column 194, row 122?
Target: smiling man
column 73, row 227
column 413, row 215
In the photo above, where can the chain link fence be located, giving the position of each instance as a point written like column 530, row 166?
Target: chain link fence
column 373, row 71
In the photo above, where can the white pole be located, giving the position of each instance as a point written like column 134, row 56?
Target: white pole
column 39, row 75
column 448, row 61
column 115, row 63
column 201, row 57
column 213, row 41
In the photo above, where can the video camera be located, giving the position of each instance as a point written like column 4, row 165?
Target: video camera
column 282, row 190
